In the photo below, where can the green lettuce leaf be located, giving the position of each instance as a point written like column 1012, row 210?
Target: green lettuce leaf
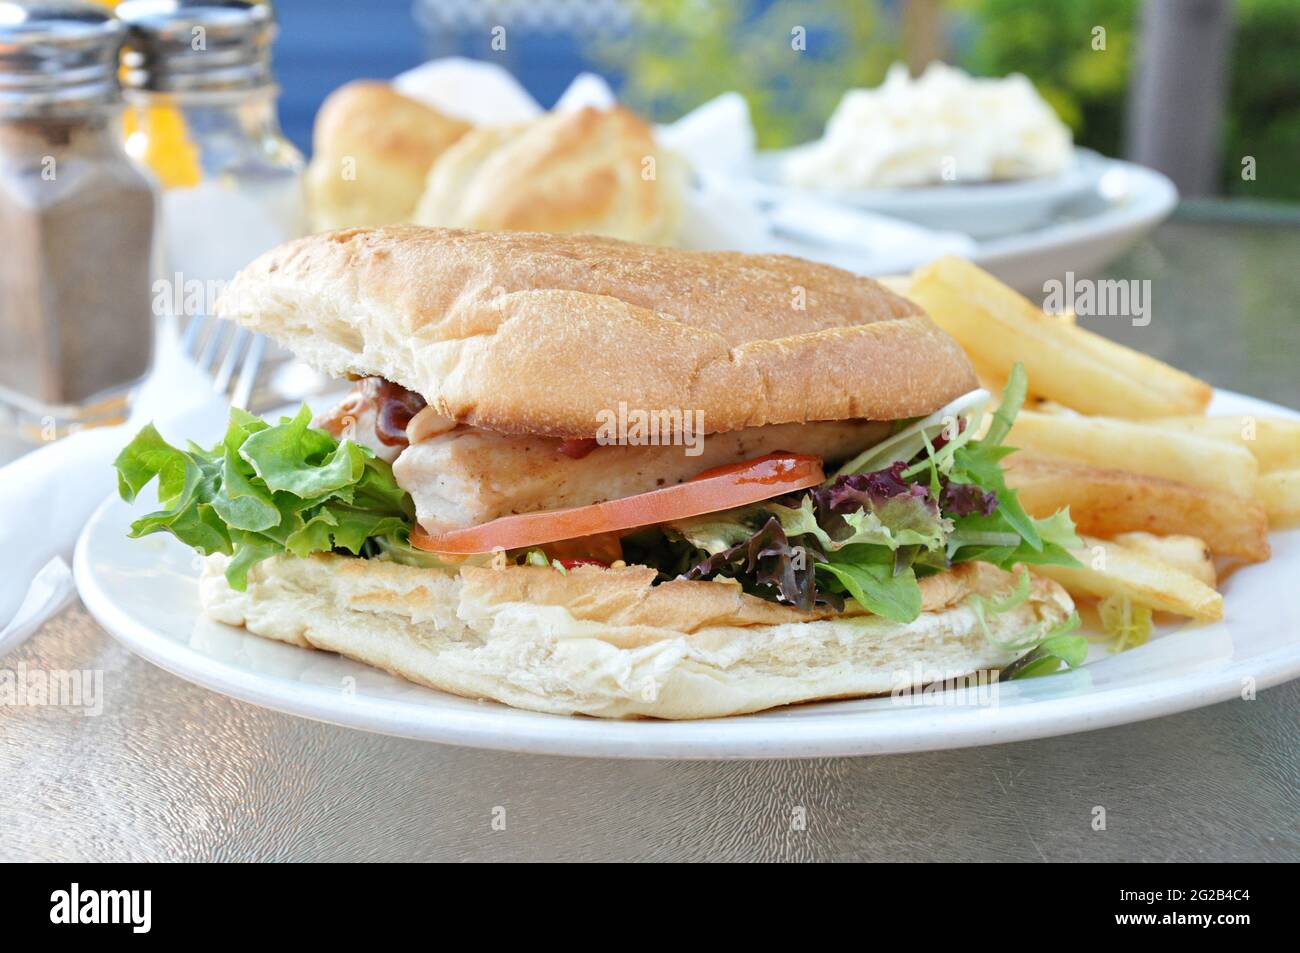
column 1013, row 398
column 1056, row 647
column 716, row 532
column 1009, row 535
column 877, row 587
column 267, row 489
column 985, row 606
column 1128, row 624
column 916, row 436
column 893, row 522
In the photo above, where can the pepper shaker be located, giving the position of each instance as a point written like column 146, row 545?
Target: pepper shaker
column 77, row 220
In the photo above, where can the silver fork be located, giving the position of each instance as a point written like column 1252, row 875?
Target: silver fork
column 230, row 354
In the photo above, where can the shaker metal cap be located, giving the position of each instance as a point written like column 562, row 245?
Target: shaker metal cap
column 196, row 45
column 57, row 53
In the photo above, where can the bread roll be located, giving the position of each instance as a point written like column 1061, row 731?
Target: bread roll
column 373, row 148
column 603, row 642
column 586, row 170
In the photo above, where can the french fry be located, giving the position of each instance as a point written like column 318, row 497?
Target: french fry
column 1274, row 441
column 1279, row 491
column 1065, row 363
column 1138, row 448
column 1052, row 407
column 1186, row 553
column 1109, row 569
column 1106, row 502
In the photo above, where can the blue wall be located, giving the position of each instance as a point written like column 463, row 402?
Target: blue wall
column 324, row 43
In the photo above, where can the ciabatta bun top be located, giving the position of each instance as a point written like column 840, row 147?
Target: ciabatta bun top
column 549, row 334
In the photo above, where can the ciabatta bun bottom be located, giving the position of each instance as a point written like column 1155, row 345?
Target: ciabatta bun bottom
column 596, row 655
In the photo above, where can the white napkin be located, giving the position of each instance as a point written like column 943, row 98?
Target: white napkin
column 473, row 90
column 717, row 140
column 717, row 136
column 47, row 496
column 586, row 89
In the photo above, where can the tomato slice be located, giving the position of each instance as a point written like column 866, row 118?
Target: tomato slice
column 721, row 488
column 575, row 563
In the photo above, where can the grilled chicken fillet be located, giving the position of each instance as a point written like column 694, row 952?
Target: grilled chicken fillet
column 467, row 476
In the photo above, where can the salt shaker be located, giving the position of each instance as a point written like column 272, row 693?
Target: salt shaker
column 77, row 220
column 203, row 111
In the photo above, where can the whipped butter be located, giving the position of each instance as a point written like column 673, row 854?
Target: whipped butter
column 944, row 126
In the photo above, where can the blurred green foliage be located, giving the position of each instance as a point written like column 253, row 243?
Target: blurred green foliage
column 1264, row 102
column 684, row 52
column 1051, row 42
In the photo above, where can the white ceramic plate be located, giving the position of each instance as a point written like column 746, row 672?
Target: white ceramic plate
column 144, row 592
column 980, row 209
column 1086, row 234
column 1078, row 230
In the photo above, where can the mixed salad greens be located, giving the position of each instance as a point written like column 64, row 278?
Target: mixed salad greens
column 927, row 498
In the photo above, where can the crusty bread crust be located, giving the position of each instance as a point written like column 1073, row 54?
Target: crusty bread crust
column 590, row 170
column 605, row 643
column 534, row 333
column 373, row 148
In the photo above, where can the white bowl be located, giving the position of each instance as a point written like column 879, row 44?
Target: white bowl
column 981, row 210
